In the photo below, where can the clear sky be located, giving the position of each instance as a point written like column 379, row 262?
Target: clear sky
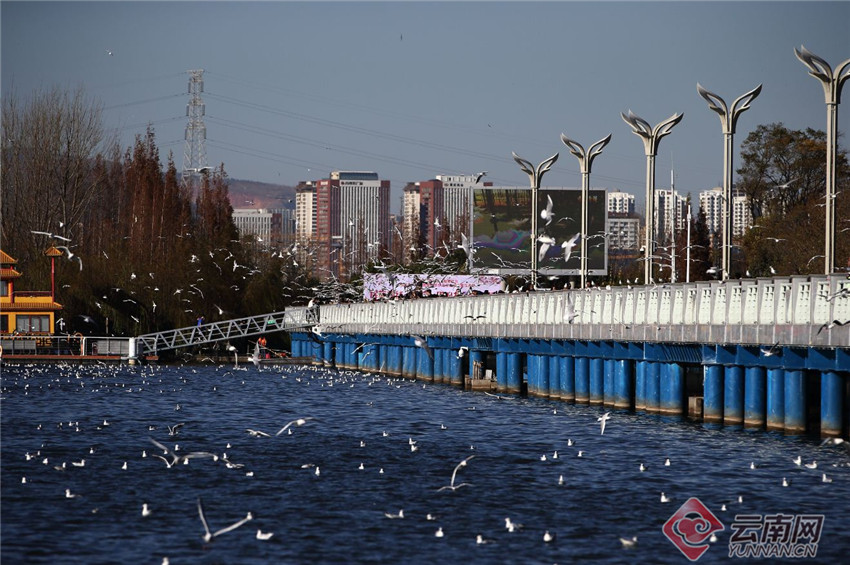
column 294, row 90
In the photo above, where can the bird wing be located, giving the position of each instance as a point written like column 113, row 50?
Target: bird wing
column 235, row 525
column 203, row 518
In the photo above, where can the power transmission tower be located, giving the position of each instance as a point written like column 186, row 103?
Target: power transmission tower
column 195, row 153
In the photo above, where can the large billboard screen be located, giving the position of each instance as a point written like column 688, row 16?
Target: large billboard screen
column 501, row 231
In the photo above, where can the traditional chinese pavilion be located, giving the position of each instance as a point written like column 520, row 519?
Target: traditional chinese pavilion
column 25, row 311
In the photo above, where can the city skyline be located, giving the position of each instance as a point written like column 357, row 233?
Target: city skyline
column 416, row 90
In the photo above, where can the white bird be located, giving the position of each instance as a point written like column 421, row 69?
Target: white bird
column 568, row 246
column 547, row 214
column 298, row 422
column 667, row 462
column 785, row 482
column 80, row 463
column 264, row 536
column 454, row 474
column 180, row 458
column 629, row 542
column 825, row 479
column 545, row 243
column 439, row 533
column 68, row 494
column 812, row 465
column 71, row 255
column 479, row 539
column 512, row 526
column 257, row 433
column 461, row 352
column 421, row 342
column 547, row 537
column 50, row 235
column 664, row 498
column 208, row 535
column 394, row 516
column 602, row 419
column 145, row 510
column 798, row 461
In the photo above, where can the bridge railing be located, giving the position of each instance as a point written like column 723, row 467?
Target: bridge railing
column 793, row 311
column 292, row 318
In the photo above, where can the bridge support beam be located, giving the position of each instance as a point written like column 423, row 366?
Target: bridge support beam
column 653, row 387
column 775, row 399
column 795, row 402
column 640, row 386
column 554, row 376
column 712, row 392
column 832, row 388
column 672, row 389
column 567, row 377
column 623, row 376
column 538, row 375
column 608, row 393
column 733, row 396
column 582, row 376
column 408, row 362
column 439, row 358
column 755, row 397
column 514, row 372
column 425, row 365
column 597, row 380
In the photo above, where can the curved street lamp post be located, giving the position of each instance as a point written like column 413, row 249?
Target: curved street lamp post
column 535, row 175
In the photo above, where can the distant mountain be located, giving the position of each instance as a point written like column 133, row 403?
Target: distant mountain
column 253, row 194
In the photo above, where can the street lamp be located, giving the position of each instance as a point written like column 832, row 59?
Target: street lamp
column 651, row 137
column 728, row 119
column 535, row 175
column 585, row 159
column 832, row 81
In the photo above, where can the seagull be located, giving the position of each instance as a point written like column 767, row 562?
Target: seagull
column 208, row 535
column 602, row 419
column 69, row 494
column 629, row 542
column 439, row 533
column 264, row 536
column 50, row 235
column 421, row 342
column 664, row 498
column 180, row 458
column 547, row 214
column 785, row 482
column 479, row 175
column 257, row 433
column 832, row 324
column 545, row 243
column 461, row 352
column 71, row 255
column 772, row 350
column 145, row 510
column 825, row 479
column 175, row 429
column 798, row 461
column 454, row 474
column 511, row 526
column 547, row 537
column 568, row 246
column 394, row 516
column 812, row 465
column 298, row 422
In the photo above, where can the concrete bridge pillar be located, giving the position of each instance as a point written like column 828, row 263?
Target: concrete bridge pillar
column 640, row 386
column 623, row 374
column 832, row 390
column 566, row 374
column 554, row 376
column 733, row 396
column 653, row 387
column 514, row 372
column 775, row 399
column 795, row 402
column 582, row 377
column 608, row 393
column 501, row 371
column 755, row 397
column 597, row 380
column 672, row 389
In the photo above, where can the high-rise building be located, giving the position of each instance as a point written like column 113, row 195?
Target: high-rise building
column 711, row 203
column 621, row 202
column 305, row 218
column 457, row 195
column 742, row 218
column 263, row 224
column 624, row 231
column 668, row 211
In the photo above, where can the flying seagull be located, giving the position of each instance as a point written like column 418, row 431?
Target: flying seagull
column 545, row 243
column 298, row 422
column 208, row 535
column 602, row 419
column 568, row 246
column 420, row 342
column 454, row 474
column 51, row 235
column 547, row 214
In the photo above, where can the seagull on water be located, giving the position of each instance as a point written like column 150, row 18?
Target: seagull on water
column 297, row 422
column 145, row 510
column 209, row 535
column 394, row 516
column 512, row 526
column 439, row 533
column 264, row 536
column 798, row 461
column 454, row 474
column 629, row 542
column 602, row 419
column 547, row 537
column 664, row 498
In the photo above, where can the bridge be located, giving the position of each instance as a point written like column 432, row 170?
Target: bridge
column 771, row 353
column 153, row 343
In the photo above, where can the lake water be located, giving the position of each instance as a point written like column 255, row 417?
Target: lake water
column 58, row 413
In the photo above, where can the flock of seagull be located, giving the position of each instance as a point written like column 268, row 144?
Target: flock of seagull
column 94, row 378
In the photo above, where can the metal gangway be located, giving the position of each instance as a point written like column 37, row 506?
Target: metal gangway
column 290, row 319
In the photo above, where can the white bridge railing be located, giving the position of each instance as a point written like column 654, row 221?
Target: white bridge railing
column 792, row 311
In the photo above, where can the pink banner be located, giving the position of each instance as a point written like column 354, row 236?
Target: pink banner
column 381, row 286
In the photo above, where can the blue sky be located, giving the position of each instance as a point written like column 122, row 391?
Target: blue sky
column 410, row 90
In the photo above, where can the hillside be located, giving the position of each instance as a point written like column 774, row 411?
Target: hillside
column 253, row 194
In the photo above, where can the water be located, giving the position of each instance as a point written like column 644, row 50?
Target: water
column 339, row 515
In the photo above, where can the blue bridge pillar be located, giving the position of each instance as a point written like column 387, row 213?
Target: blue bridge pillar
column 608, row 392
column 475, row 356
column 514, row 372
column 653, row 387
column 582, row 376
column 672, row 389
column 408, row 361
column 623, row 374
column 795, row 402
column 567, row 376
column 501, row 371
column 538, row 375
column 775, row 399
column 733, row 396
column 712, row 393
column 328, row 353
column 424, row 365
column 755, row 397
column 455, row 368
column 597, row 380
column 832, row 389
column 640, row 386
column 439, row 356
column 554, row 376
column 394, row 362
